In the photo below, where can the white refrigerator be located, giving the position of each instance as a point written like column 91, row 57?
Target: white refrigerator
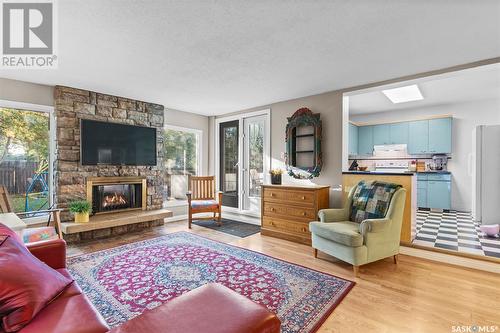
column 486, row 174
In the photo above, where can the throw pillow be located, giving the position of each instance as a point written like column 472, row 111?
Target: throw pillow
column 27, row 285
column 371, row 200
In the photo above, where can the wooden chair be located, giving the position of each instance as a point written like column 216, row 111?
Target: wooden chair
column 50, row 231
column 202, row 198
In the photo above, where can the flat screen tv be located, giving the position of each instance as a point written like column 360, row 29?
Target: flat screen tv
column 116, row 144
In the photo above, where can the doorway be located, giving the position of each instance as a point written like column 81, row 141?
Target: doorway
column 243, row 158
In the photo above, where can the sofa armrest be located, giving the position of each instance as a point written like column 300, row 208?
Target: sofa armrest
column 333, row 215
column 373, row 225
column 52, row 252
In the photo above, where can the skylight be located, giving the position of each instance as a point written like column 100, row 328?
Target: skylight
column 404, row 94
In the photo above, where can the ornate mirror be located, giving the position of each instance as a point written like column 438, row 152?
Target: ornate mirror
column 303, row 144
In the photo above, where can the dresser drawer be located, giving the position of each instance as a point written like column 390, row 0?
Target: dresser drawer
column 306, row 213
column 275, row 194
column 284, row 225
column 303, row 197
column 271, row 208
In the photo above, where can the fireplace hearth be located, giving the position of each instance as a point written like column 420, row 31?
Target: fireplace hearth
column 114, row 194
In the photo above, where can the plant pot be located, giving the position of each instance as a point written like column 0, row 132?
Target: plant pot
column 276, row 179
column 81, row 217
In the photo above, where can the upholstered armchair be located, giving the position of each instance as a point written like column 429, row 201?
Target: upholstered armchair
column 358, row 240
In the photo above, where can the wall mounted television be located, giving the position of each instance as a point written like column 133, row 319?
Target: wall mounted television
column 117, row 144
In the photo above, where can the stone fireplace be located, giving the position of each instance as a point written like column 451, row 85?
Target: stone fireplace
column 116, row 194
column 109, row 187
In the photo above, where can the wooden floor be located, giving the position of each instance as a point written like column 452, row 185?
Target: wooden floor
column 415, row 295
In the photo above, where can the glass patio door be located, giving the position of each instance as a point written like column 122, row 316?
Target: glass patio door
column 229, row 166
column 254, row 161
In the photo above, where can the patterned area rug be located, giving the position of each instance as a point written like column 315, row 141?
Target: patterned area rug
column 235, row 228
column 124, row 281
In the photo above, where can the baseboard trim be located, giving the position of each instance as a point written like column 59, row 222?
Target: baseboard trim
column 451, row 259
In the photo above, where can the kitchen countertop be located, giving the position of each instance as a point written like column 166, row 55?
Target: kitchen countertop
column 409, row 173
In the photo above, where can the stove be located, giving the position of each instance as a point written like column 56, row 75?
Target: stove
column 391, row 166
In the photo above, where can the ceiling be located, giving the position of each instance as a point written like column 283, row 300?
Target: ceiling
column 217, row 56
column 476, row 84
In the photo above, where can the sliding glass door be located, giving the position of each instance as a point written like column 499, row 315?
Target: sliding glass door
column 229, row 162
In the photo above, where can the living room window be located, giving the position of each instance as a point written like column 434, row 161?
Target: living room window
column 182, row 160
column 25, row 156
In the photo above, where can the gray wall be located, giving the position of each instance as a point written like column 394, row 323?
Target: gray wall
column 465, row 117
column 26, row 92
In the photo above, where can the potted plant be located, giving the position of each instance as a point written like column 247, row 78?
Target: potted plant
column 81, row 209
column 276, row 176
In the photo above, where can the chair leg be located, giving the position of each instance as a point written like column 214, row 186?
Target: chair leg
column 356, row 270
column 315, row 252
column 219, row 217
column 190, row 219
column 395, row 257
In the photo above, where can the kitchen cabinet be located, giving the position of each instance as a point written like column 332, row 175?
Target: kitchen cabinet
column 440, row 136
column 434, row 191
column 381, row 134
column 353, row 139
column 398, row 133
column 418, row 142
column 365, row 140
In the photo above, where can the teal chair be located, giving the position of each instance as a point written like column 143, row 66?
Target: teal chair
column 357, row 240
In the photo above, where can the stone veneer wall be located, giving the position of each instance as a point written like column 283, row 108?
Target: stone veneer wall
column 70, row 176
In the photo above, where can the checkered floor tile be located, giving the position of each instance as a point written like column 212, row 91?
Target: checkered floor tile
column 453, row 230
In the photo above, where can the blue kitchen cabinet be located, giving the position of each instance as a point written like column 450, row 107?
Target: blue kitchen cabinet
column 439, row 194
column 440, row 136
column 418, row 142
column 353, row 139
column 365, row 140
column 422, row 197
column 398, row 133
column 381, row 134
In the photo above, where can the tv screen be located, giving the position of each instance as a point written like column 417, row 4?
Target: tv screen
column 117, row 144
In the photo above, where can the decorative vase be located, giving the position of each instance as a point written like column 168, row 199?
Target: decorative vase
column 81, row 217
column 276, row 179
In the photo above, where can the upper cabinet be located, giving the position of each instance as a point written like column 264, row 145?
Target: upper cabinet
column 431, row 136
column 353, row 139
column 440, row 135
column 398, row 133
column 365, row 140
column 381, row 134
column 419, row 137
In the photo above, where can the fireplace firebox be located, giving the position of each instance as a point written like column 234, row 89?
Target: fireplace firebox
column 113, row 194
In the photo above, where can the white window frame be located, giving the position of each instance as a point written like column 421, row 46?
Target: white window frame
column 52, row 145
column 267, row 153
column 199, row 154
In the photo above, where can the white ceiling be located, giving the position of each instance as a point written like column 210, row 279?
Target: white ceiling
column 476, row 84
column 218, row 56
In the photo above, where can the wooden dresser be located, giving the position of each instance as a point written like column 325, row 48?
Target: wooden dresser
column 286, row 210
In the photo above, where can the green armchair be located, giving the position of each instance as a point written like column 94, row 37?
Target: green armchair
column 359, row 243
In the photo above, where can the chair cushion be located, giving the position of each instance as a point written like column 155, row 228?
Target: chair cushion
column 27, row 285
column 346, row 233
column 371, row 200
column 31, row 235
column 204, row 204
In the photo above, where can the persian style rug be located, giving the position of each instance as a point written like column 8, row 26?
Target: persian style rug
column 232, row 227
column 124, row 281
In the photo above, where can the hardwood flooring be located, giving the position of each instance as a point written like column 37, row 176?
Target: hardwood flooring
column 416, row 295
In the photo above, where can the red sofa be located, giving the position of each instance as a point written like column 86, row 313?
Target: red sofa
column 210, row 308
column 70, row 312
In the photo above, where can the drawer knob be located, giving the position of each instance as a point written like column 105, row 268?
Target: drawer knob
column 304, row 229
column 304, row 213
column 272, row 209
column 272, row 223
column 272, row 194
column 303, row 198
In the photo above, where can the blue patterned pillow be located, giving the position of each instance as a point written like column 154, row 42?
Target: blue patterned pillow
column 371, row 200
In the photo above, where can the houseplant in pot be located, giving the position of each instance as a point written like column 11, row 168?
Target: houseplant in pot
column 81, row 209
column 276, row 176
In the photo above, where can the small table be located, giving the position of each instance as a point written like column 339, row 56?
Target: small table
column 13, row 221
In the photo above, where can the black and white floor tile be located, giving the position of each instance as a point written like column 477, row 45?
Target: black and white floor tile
column 453, row 230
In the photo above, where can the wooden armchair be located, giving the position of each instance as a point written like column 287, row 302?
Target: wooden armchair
column 202, row 198
column 52, row 230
